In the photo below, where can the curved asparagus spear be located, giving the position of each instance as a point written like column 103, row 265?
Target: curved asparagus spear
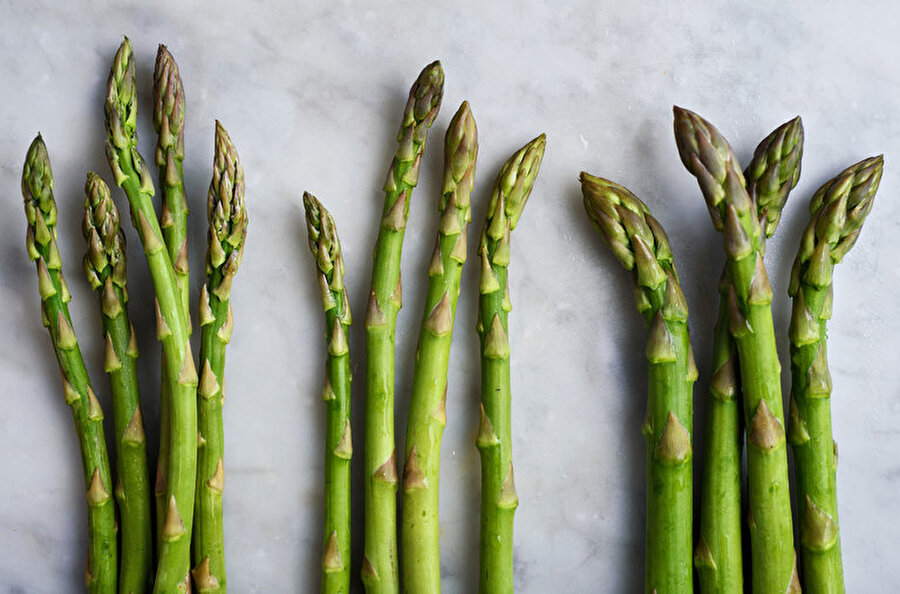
column 326, row 250
column 771, row 175
column 173, row 324
column 227, row 233
column 837, row 212
column 40, row 210
column 498, row 489
column 168, row 120
column 640, row 244
column 379, row 570
column 420, row 530
column 104, row 265
column 707, row 155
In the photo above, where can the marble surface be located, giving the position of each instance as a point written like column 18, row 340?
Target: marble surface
column 311, row 94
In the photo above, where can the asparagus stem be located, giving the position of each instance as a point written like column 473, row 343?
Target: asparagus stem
column 168, row 120
column 837, row 211
column 771, row 175
column 227, row 233
column 640, row 244
column 420, row 529
column 707, row 155
column 173, row 325
column 498, row 491
column 326, row 250
column 104, row 265
column 379, row 570
column 41, row 213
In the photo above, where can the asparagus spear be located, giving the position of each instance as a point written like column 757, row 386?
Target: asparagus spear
column 227, row 232
column 173, row 325
column 837, row 212
column 707, row 155
column 420, row 529
column 498, row 490
column 104, row 265
column 771, row 175
column 168, row 120
column 640, row 244
column 40, row 211
column 326, row 250
column 379, row 570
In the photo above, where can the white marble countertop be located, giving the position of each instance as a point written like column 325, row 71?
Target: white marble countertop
column 312, row 97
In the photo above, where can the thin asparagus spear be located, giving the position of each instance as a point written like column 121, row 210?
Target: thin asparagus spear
column 40, row 210
column 379, row 569
column 420, row 530
column 707, row 155
column 640, row 244
column 104, row 265
column 168, row 120
column 173, row 325
column 771, row 175
column 837, row 211
column 326, row 251
column 227, row 233
column 498, row 489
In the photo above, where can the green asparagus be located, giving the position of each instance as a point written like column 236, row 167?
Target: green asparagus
column 326, row 250
column 168, row 120
column 498, row 489
column 638, row 241
column 707, row 155
column 420, row 529
column 837, row 211
column 41, row 213
column 227, row 233
column 173, row 324
column 379, row 569
column 104, row 265
column 771, row 175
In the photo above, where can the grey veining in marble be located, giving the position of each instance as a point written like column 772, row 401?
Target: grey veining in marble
column 311, row 94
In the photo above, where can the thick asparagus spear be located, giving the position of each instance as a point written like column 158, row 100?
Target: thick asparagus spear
column 326, row 251
column 837, row 212
column 168, row 120
column 498, row 489
column 104, row 265
column 379, row 570
column 420, row 530
column 640, row 244
column 707, row 155
column 173, row 324
column 40, row 210
column 770, row 176
column 227, row 232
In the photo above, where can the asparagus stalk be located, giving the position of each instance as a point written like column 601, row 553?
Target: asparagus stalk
column 379, row 570
column 227, row 233
column 326, row 250
column 168, row 120
column 173, row 325
column 707, row 155
column 420, row 530
column 104, row 265
column 498, row 490
column 41, row 213
column 771, row 175
column 640, row 244
column 837, row 212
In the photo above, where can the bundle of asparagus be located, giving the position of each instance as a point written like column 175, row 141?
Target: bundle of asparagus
column 190, row 464
column 746, row 206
